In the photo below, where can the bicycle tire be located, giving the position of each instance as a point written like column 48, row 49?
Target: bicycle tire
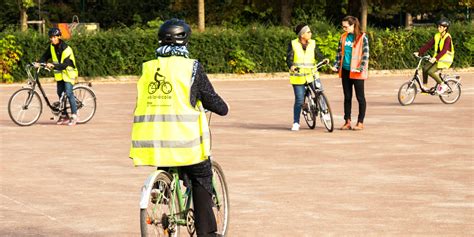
column 452, row 94
column 86, row 103
column 328, row 120
column 154, row 220
column 407, row 93
column 309, row 113
column 25, row 102
column 220, row 198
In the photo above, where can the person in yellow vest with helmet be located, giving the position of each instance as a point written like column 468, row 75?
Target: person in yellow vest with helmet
column 352, row 63
column 65, row 71
column 170, row 128
column 442, row 58
column 301, row 60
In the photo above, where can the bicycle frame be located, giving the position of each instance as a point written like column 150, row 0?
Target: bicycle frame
column 416, row 76
column 34, row 81
column 184, row 199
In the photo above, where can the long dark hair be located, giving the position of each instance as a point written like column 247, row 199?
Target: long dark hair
column 352, row 20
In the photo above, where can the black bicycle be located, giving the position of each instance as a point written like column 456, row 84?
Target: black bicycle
column 409, row 89
column 25, row 105
column 316, row 103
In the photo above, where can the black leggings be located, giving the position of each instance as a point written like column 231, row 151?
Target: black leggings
column 347, row 84
column 201, row 178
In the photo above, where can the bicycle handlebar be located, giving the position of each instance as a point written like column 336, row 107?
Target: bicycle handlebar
column 427, row 57
column 41, row 65
column 317, row 67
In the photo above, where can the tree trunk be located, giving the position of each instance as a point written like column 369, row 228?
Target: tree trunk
column 286, row 10
column 23, row 19
column 408, row 20
column 202, row 16
column 363, row 15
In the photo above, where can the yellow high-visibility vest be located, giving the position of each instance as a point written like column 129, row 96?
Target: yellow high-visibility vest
column 304, row 60
column 447, row 59
column 70, row 73
column 167, row 131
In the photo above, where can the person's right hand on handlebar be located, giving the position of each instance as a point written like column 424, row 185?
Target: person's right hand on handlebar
column 48, row 65
column 416, row 54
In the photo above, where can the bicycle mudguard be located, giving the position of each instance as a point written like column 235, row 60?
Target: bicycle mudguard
column 147, row 186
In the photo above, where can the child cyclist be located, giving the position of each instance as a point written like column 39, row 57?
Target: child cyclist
column 442, row 58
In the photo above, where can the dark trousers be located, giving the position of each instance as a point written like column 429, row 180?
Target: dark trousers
column 431, row 70
column 347, row 85
column 204, row 218
column 201, row 178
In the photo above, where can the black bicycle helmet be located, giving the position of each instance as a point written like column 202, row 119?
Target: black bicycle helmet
column 443, row 22
column 174, row 32
column 54, row 32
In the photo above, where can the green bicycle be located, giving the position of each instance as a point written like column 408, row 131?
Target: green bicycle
column 166, row 203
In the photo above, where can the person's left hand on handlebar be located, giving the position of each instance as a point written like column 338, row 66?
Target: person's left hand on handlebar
column 432, row 60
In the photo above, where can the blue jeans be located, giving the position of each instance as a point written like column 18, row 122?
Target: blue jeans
column 63, row 86
column 299, row 98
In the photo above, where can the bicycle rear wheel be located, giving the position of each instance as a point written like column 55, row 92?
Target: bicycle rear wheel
column 86, row 103
column 452, row 94
column 407, row 93
column 25, row 107
column 308, row 110
column 157, row 219
column 325, row 112
column 220, row 198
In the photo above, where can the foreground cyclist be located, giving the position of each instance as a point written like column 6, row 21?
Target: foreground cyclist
column 171, row 129
column 65, row 71
column 442, row 58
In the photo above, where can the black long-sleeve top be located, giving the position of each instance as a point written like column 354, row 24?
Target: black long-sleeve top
column 290, row 54
column 202, row 90
column 58, row 49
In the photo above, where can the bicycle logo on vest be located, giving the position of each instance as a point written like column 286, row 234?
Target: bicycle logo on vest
column 166, row 87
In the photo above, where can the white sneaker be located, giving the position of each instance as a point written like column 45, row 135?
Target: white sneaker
column 296, row 127
column 73, row 120
column 441, row 88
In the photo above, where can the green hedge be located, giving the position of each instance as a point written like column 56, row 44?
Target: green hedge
column 221, row 50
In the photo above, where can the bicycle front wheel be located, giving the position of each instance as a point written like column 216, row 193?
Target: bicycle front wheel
column 86, row 103
column 25, row 107
column 407, row 93
column 309, row 111
column 157, row 219
column 220, row 198
column 452, row 94
column 325, row 112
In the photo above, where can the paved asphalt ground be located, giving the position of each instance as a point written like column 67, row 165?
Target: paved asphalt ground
column 409, row 173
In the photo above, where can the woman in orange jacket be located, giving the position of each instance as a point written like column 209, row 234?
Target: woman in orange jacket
column 352, row 63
